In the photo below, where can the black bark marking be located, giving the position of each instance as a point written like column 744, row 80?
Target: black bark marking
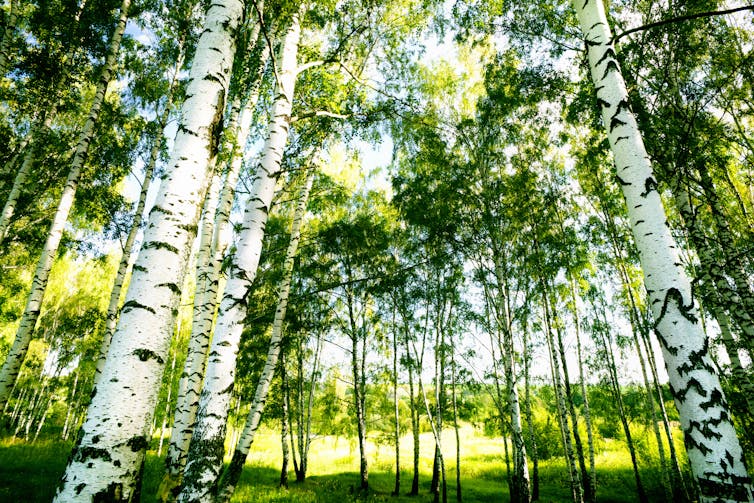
column 113, row 493
column 621, row 138
column 602, row 103
column 693, row 383
column 716, row 400
column 159, row 209
column 650, row 184
column 623, row 106
column 172, row 287
column 205, row 453
column 691, row 443
column 609, row 53
column 676, row 295
column 188, row 228
column 145, row 354
column 616, row 122
column 79, row 488
column 160, row 245
column 139, row 268
column 670, row 349
column 184, row 129
column 704, row 428
column 722, row 490
column 86, row 453
column 137, row 443
column 216, row 127
column 621, row 181
column 611, row 66
column 132, row 304
column 729, row 457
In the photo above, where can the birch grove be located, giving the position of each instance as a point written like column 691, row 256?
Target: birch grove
column 492, row 237
column 15, row 358
column 229, row 478
column 207, row 443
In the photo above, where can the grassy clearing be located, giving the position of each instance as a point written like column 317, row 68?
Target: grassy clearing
column 30, row 473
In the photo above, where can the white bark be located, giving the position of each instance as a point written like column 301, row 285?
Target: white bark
column 15, row 358
column 22, row 174
column 106, row 461
column 715, row 454
column 207, row 444
column 205, row 303
column 113, row 307
column 230, row 478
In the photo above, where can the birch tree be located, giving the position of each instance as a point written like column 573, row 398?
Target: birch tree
column 15, row 358
column 106, row 461
column 215, row 236
column 230, row 476
column 207, row 444
column 125, row 260
column 715, row 454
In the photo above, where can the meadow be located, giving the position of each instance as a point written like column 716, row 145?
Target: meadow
column 30, row 472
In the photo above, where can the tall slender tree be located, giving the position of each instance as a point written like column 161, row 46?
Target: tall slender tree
column 715, row 454
column 15, row 358
column 106, row 461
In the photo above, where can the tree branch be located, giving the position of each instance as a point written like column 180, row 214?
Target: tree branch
column 679, row 19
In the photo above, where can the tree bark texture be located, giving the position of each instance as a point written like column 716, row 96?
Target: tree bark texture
column 715, row 454
column 113, row 307
column 207, row 444
column 105, row 463
column 230, row 477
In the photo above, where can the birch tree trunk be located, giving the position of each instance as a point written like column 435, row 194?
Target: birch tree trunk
column 15, row 358
column 19, row 181
column 414, row 420
column 7, row 40
column 715, row 454
column 677, row 484
column 229, row 478
column 207, row 444
column 106, row 461
column 205, row 300
column 284, row 424
column 396, row 411
column 612, row 370
column 530, row 417
column 576, row 493
column 592, row 496
column 125, row 259
column 454, row 404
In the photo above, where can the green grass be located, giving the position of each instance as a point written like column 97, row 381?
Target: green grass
column 30, row 472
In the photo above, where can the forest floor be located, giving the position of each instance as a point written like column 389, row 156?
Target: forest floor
column 29, row 473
